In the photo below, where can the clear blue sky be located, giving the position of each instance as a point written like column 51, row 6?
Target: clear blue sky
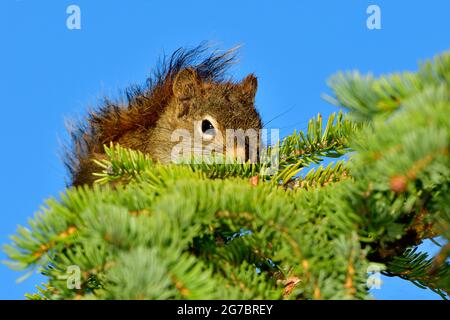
column 49, row 73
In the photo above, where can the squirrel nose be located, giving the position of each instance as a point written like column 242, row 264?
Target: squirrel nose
column 244, row 153
column 244, row 149
column 251, row 151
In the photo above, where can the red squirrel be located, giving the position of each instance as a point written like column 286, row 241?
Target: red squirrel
column 188, row 90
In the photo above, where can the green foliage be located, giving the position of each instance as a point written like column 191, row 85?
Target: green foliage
column 230, row 231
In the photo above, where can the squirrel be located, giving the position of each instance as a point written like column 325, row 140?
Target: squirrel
column 188, row 90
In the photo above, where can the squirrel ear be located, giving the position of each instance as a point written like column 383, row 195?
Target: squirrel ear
column 186, row 84
column 249, row 86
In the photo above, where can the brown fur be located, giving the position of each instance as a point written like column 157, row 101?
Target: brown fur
column 185, row 87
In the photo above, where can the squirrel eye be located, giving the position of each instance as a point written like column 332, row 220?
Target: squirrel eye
column 207, row 125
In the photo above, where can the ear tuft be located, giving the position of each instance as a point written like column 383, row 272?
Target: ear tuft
column 186, row 84
column 249, row 86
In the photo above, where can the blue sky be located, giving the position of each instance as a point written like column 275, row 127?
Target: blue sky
column 49, row 73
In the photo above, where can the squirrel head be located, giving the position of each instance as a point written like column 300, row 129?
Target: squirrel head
column 209, row 116
column 186, row 108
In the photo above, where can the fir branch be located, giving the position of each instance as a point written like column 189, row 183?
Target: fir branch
column 210, row 230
